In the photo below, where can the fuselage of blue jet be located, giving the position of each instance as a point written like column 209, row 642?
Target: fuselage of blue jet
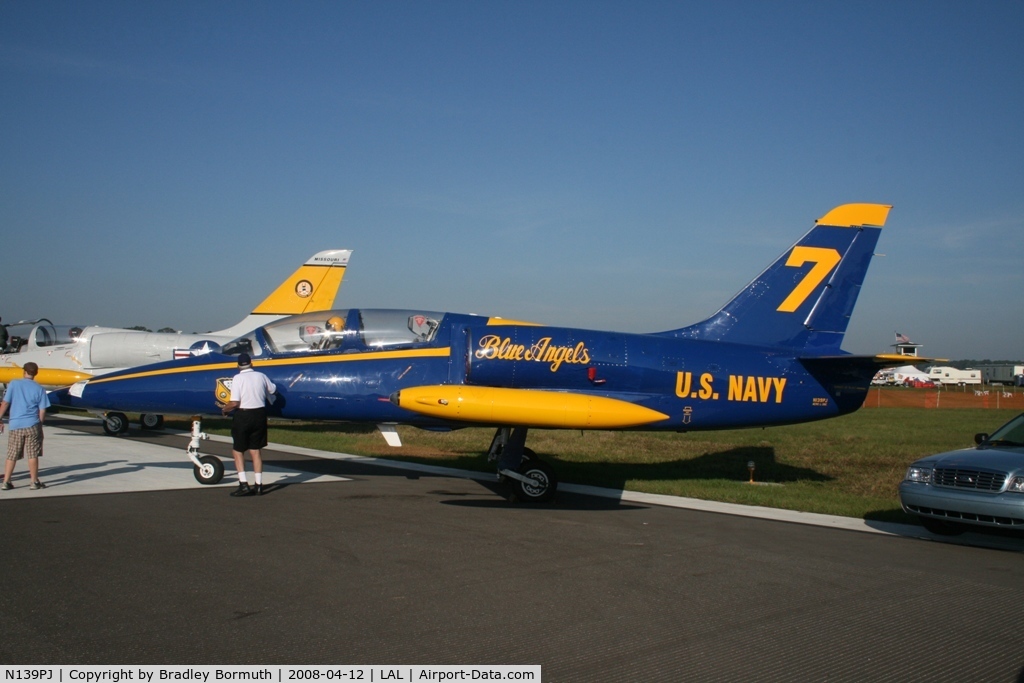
column 770, row 356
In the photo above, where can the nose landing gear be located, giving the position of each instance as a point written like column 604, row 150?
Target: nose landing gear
column 207, row 469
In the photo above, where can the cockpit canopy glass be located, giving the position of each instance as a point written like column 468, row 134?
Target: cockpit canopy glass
column 367, row 329
column 41, row 332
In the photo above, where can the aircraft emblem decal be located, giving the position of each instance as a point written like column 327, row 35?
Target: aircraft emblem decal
column 304, row 288
column 223, row 391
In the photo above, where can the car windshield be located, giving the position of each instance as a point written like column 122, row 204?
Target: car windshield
column 1011, row 433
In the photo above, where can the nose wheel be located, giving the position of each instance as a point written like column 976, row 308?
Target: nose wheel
column 210, row 470
column 207, row 469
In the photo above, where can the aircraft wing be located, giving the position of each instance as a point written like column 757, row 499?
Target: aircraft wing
column 838, row 370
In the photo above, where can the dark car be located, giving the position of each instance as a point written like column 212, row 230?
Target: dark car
column 979, row 486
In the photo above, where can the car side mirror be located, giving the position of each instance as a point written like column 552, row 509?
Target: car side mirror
column 980, row 438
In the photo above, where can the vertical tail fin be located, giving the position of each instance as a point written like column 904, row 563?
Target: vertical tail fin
column 805, row 298
column 311, row 288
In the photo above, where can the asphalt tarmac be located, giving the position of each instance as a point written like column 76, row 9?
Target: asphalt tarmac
column 125, row 559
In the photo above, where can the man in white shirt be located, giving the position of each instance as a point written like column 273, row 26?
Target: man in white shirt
column 249, row 393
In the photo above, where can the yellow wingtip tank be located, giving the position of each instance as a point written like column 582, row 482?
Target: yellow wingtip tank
column 855, row 215
column 535, row 408
column 48, row 377
column 310, row 288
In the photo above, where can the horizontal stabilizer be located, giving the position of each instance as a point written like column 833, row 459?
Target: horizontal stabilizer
column 526, row 407
column 850, row 370
column 879, row 361
column 847, row 378
column 888, row 360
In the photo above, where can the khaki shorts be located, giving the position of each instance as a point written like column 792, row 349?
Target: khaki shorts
column 25, row 442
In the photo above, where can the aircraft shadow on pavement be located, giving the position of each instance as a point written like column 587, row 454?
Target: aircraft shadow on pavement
column 728, row 465
column 562, row 501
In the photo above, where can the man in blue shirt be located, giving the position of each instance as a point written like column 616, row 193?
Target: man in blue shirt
column 28, row 403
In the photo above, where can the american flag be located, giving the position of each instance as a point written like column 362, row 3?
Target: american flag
column 902, row 339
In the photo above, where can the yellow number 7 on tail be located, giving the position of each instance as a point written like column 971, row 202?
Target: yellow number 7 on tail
column 824, row 261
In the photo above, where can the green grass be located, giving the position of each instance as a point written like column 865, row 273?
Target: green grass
column 849, row 466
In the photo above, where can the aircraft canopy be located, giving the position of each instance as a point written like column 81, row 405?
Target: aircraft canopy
column 329, row 330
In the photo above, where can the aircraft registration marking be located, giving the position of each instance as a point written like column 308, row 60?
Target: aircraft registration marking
column 743, row 388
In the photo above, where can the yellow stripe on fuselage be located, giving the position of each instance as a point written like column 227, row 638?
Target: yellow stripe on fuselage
column 276, row 362
column 492, row 322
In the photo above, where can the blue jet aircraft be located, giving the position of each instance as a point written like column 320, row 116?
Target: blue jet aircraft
column 770, row 356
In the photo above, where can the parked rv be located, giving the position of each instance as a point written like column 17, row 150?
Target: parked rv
column 944, row 374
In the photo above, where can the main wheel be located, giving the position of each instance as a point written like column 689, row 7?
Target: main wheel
column 209, row 471
column 151, row 421
column 544, row 485
column 115, row 424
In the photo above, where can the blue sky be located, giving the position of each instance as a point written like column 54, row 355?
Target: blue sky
column 623, row 166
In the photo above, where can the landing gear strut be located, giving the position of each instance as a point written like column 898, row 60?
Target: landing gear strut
column 115, row 424
column 530, row 478
column 208, row 469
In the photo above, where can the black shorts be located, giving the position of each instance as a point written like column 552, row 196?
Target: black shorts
column 249, row 430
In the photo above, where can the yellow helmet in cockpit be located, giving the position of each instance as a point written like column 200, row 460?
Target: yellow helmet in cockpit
column 335, row 323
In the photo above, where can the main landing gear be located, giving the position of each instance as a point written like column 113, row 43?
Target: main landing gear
column 116, row 424
column 530, row 479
